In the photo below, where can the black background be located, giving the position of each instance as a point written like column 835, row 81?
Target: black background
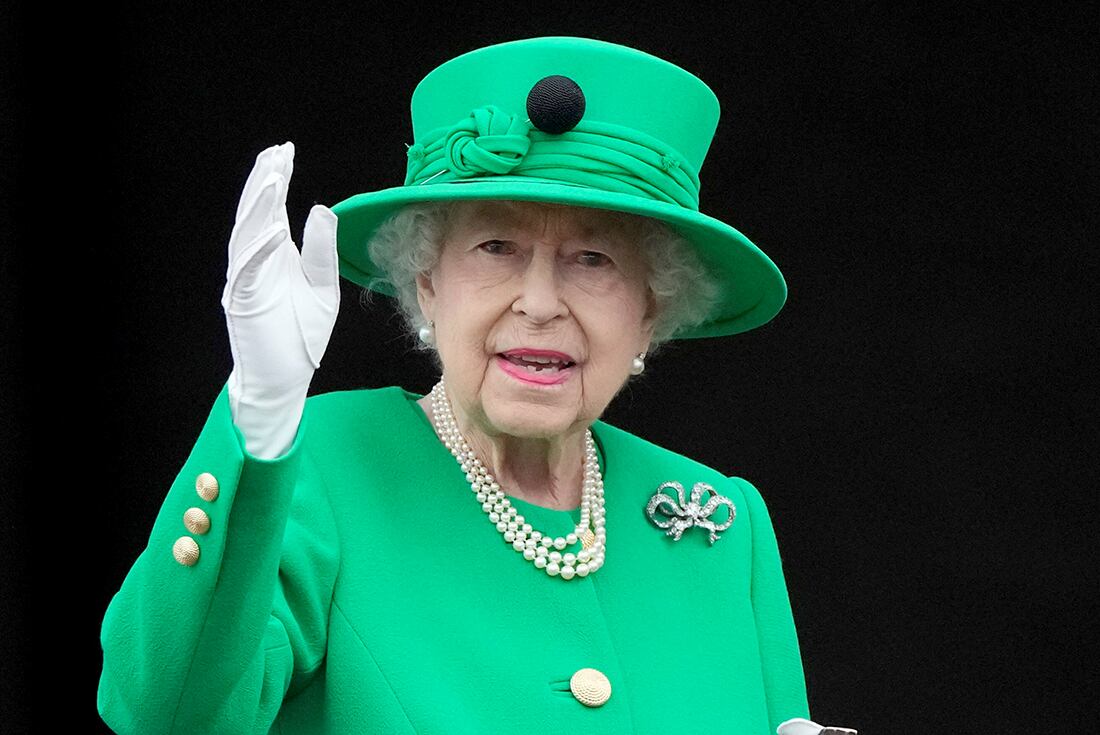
column 915, row 417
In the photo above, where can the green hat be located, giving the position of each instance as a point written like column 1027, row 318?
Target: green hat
column 571, row 121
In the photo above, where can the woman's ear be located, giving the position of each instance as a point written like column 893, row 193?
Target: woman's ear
column 425, row 294
column 649, row 321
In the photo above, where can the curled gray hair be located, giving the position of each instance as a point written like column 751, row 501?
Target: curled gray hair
column 409, row 242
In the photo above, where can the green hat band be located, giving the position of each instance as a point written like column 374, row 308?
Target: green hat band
column 592, row 154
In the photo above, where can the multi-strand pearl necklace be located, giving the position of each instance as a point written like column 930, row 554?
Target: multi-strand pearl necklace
column 544, row 551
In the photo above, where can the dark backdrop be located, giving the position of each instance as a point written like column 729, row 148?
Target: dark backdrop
column 915, row 416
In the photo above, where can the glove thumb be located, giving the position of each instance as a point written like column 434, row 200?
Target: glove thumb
column 319, row 259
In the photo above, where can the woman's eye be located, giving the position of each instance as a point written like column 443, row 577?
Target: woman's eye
column 593, row 258
column 496, row 247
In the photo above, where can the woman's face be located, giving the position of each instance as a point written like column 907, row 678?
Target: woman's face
column 539, row 311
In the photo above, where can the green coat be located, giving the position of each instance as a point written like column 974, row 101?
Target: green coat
column 354, row 585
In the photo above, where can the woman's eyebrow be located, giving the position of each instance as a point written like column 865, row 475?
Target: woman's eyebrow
column 500, row 218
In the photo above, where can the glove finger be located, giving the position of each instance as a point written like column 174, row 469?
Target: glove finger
column 798, row 726
column 246, row 274
column 257, row 217
column 284, row 167
column 266, row 163
column 319, row 252
column 272, row 162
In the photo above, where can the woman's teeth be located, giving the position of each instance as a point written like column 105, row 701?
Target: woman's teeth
column 538, row 364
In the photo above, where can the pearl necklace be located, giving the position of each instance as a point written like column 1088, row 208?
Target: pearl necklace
column 542, row 550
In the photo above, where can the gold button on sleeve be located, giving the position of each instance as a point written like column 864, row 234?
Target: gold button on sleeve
column 590, row 687
column 196, row 521
column 186, row 551
column 206, row 485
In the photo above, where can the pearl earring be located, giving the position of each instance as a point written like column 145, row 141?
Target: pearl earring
column 427, row 334
column 638, row 365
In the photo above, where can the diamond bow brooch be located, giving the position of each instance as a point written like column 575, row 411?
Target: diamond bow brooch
column 679, row 516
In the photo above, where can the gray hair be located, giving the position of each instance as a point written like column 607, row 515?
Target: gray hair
column 409, row 242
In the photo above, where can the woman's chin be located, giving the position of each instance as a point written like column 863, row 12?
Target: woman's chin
column 518, row 408
column 514, row 423
column 530, row 419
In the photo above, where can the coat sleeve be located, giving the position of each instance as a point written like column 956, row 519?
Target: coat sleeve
column 213, row 644
column 780, row 657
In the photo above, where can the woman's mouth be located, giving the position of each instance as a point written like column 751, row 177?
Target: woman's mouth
column 541, row 367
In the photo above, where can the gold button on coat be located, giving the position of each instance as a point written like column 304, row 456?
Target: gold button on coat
column 186, row 551
column 196, row 521
column 590, row 687
column 206, row 485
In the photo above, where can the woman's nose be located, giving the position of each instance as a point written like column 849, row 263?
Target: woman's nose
column 540, row 297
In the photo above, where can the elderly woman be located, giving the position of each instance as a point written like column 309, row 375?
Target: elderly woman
column 336, row 565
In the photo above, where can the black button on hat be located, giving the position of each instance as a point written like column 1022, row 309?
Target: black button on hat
column 555, row 104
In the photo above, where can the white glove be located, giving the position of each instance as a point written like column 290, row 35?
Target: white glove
column 280, row 307
column 802, row 726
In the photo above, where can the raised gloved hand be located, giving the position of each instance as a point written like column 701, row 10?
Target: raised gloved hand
column 802, row 726
column 280, row 306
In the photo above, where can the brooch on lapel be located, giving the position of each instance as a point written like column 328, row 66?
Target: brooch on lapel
column 679, row 515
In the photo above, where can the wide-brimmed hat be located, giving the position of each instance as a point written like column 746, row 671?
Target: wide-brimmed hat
column 572, row 121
